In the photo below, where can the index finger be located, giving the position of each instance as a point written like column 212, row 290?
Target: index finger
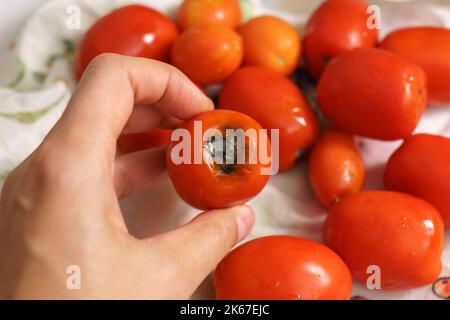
column 111, row 86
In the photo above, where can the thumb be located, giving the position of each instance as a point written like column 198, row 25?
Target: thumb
column 196, row 248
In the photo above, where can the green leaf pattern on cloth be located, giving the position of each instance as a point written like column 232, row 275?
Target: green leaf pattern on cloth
column 31, row 117
column 69, row 52
column 19, row 77
column 38, row 74
column 4, row 175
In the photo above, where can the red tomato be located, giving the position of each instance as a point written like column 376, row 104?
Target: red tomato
column 271, row 43
column 133, row 142
column 373, row 93
column 282, row 268
column 208, row 54
column 336, row 168
column 276, row 103
column 336, row 27
column 133, row 30
column 203, row 12
column 400, row 234
column 429, row 48
column 213, row 184
column 421, row 167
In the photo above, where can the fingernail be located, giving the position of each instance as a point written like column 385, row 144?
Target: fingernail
column 245, row 221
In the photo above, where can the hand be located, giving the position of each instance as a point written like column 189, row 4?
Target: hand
column 60, row 206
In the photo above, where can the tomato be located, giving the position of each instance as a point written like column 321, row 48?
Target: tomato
column 203, row 12
column 336, row 27
column 398, row 233
column 421, row 167
column 373, row 93
column 282, row 268
column 271, row 43
column 219, row 180
column 133, row 142
column 208, row 54
column 429, row 48
column 276, row 103
column 336, row 168
column 133, row 30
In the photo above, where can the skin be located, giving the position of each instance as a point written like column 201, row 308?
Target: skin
column 428, row 47
column 124, row 32
column 276, row 103
column 373, row 93
column 282, row 268
column 399, row 233
column 336, row 27
column 336, row 168
column 271, row 43
column 203, row 12
column 208, row 54
column 421, row 167
column 218, row 185
column 60, row 206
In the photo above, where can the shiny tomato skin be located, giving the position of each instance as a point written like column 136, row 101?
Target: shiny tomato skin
column 203, row 12
column 271, row 43
column 276, row 103
column 282, row 268
column 336, row 168
column 212, row 186
column 133, row 142
column 428, row 47
column 208, row 54
column 336, row 27
column 133, row 30
column 373, row 93
column 401, row 234
column 421, row 167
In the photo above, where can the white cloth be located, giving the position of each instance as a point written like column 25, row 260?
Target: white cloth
column 36, row 82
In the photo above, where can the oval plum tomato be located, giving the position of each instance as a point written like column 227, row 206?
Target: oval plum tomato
column 282, row 268
column 203, row 12
column 336, row 27
column 373, row 93
column 133, row 30
column 398, row 233
column 336, row 168
column 271, row 43
column 133, row 142
column 421, row 167
column 208, row 54
column 276, row 103
column 428, row 47
column 210, row 169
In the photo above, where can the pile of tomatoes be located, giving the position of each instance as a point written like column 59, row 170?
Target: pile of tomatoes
column 364, row 88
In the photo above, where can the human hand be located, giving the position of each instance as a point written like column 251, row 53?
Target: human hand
column 60, row 207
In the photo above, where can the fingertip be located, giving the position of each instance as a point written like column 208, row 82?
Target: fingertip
column 183, row 99
column 200, row 245
column 205, row 102
column 245, row 219
column 242, row 215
